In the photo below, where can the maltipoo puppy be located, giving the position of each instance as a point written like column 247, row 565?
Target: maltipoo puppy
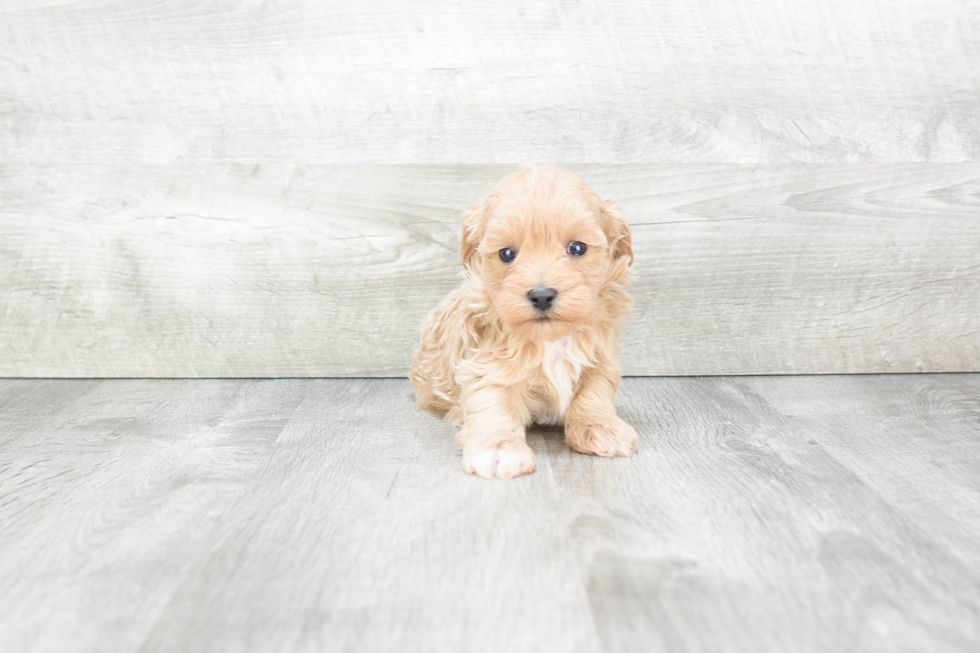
column 530, row 335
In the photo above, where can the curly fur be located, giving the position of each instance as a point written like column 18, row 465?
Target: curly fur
column 486, row 357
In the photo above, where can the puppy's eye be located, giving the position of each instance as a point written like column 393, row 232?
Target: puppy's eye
column 507, row 254
column 576, row 248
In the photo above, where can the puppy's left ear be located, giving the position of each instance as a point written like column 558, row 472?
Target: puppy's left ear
column 617, row 231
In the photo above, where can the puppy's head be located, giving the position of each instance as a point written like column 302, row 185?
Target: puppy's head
column 545, row 245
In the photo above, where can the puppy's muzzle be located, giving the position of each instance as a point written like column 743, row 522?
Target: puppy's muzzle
column 542, row 298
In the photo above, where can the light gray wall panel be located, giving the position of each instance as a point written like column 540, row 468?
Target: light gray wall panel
column 394, row 81
column 236, row 270
column 272, row 188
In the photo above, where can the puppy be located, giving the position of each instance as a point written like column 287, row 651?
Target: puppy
column 530, row 335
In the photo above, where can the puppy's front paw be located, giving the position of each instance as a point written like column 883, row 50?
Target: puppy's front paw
column 601, row 437
column 505, row 459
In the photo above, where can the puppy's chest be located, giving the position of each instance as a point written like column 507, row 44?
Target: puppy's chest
column 554, row 384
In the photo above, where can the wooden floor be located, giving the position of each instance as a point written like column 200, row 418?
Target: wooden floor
column 760, row 514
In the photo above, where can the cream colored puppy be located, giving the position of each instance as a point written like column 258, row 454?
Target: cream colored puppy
column 530, row 336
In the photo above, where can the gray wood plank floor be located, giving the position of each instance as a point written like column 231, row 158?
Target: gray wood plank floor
column 760, row 514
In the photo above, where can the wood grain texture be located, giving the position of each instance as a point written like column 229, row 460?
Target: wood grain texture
column 117, row 524
column 390, row 81
column 808, row 514
column 227, row 189
column 264, row 271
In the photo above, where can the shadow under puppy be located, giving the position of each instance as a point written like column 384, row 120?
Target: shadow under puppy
column 530, row 335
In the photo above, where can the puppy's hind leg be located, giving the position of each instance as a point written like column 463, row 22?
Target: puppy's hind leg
column 493, row 437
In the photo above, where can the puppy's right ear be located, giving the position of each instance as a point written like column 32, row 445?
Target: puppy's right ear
column 474, row 224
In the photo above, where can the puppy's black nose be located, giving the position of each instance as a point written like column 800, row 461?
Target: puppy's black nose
column 542, row 297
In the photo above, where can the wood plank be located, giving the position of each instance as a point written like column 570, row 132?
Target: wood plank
column 106, row 503
column 395, row 546
column 772, row 514
column 292, row 270
column 736, row 529
column 23, row 404
column 911, row 427
column 393, row 81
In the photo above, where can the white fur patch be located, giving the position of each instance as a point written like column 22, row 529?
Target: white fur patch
column 562, row 365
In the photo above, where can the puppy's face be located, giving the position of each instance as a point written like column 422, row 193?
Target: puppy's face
column 544, row 245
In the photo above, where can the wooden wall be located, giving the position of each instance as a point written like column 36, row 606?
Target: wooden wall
column 273, row 189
